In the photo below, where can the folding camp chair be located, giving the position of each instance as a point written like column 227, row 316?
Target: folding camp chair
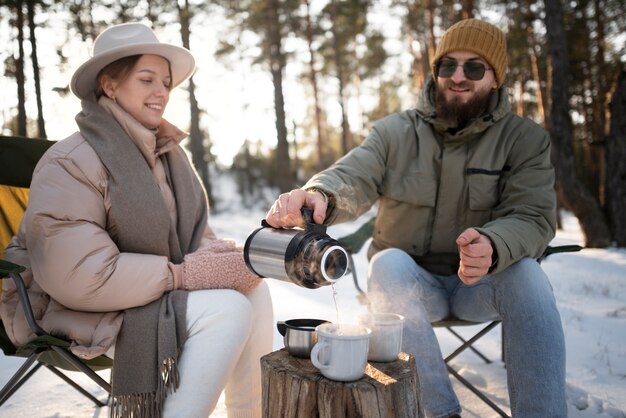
column 353, row 244
column 18, row 157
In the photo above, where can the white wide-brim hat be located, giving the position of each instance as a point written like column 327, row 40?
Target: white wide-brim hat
column 124, row 40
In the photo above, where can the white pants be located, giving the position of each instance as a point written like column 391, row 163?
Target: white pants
column 228, row 333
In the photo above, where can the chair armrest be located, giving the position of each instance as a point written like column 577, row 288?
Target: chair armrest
column 354, row 241
column 8, row 269
column 559, row 249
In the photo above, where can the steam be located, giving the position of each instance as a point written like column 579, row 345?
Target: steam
column 397, row 297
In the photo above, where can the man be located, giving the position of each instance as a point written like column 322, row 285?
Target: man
column 466, row 203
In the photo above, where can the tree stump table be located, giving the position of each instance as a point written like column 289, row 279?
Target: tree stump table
column 294, row 388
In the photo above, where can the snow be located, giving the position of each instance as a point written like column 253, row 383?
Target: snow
column 590, row 288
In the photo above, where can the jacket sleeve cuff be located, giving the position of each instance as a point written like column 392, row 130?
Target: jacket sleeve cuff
column 328, row 195
column 498, row 263
column 175, row 276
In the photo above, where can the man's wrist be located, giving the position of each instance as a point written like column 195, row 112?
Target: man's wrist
column 494, row 258
column 325, row 195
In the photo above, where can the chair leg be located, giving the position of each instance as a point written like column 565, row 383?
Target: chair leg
column 477, row 392
column 27, row 369
column 20, row 377
column 362, row 296
column 472, row 340
column 75, row 385
column 79, row 365
column 464, row 341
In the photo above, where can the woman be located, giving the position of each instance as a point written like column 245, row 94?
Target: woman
column 121, row 258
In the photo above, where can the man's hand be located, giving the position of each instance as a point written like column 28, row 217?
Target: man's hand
column 285, row 212
column 475, row 251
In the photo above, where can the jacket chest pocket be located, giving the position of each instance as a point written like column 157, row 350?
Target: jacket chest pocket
column 483, row 190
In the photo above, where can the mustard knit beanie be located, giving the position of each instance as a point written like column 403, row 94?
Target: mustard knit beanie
column 476, row 36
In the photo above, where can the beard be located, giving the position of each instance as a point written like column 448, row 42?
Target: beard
column 460, row 113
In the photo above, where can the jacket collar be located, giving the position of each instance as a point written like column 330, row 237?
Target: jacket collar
column 151, row 143
column 498, row 107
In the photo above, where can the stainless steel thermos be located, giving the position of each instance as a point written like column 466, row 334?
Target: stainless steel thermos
column 307, row 257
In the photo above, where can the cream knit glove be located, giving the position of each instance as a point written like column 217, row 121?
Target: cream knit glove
column 218, row 265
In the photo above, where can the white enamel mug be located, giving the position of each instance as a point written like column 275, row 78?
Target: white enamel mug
column 341, row 351
column 386, row 339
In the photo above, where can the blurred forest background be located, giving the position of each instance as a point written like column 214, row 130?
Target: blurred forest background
column 567, row 72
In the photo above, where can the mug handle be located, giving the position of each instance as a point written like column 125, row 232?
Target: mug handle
column 282, row 327
column 315, row 352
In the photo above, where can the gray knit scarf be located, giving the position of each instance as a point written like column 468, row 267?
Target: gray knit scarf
column 151, row 337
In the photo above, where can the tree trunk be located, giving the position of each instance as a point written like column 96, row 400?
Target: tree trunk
column 586, row 155
column 418, row 44
column 346, row 137
column 319, row 123
column 294, row 388
column 196, row 139
column 277, row 65
column 575, row 195
column 534, row 62
column 600, row 79
column 468, row 9
column 600, row 102
column 449, row 18
column 429, row 9
column 41, row 125
column 19, row 71
column 616, row 164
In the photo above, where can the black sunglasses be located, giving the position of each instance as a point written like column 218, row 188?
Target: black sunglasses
column 473, row 70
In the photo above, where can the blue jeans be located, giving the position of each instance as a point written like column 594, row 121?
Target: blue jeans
column 521, row 296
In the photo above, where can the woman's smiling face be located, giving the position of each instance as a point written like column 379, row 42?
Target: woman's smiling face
column 144, row 91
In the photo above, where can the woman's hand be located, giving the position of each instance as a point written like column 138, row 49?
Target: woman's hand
column 217, row 266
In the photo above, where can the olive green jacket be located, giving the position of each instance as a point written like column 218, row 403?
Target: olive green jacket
column 494, row 175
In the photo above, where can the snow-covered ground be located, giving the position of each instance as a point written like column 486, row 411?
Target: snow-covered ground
column 590, row 288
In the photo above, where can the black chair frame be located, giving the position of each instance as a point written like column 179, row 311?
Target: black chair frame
column 18, row 157
column 45, row 344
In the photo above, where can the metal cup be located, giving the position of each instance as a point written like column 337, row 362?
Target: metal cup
column 299, row 335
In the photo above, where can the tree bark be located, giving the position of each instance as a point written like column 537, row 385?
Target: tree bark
column 450, row 16
column 600, row 79
column 346, row 136
column 294, row 388
column 277, row 65
column 19, row 71
column 598, row 146
column 534, row 62
column 319, row 123
column 468, row 9
column 578, row 199
column 616, row 164
column 419, row 43
column 196, row 139
column 41, row 124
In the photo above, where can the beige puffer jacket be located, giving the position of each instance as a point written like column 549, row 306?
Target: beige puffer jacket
column 78, row 281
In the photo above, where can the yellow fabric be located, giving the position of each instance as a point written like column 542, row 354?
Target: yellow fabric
column 476, row 36
column 13, row 202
